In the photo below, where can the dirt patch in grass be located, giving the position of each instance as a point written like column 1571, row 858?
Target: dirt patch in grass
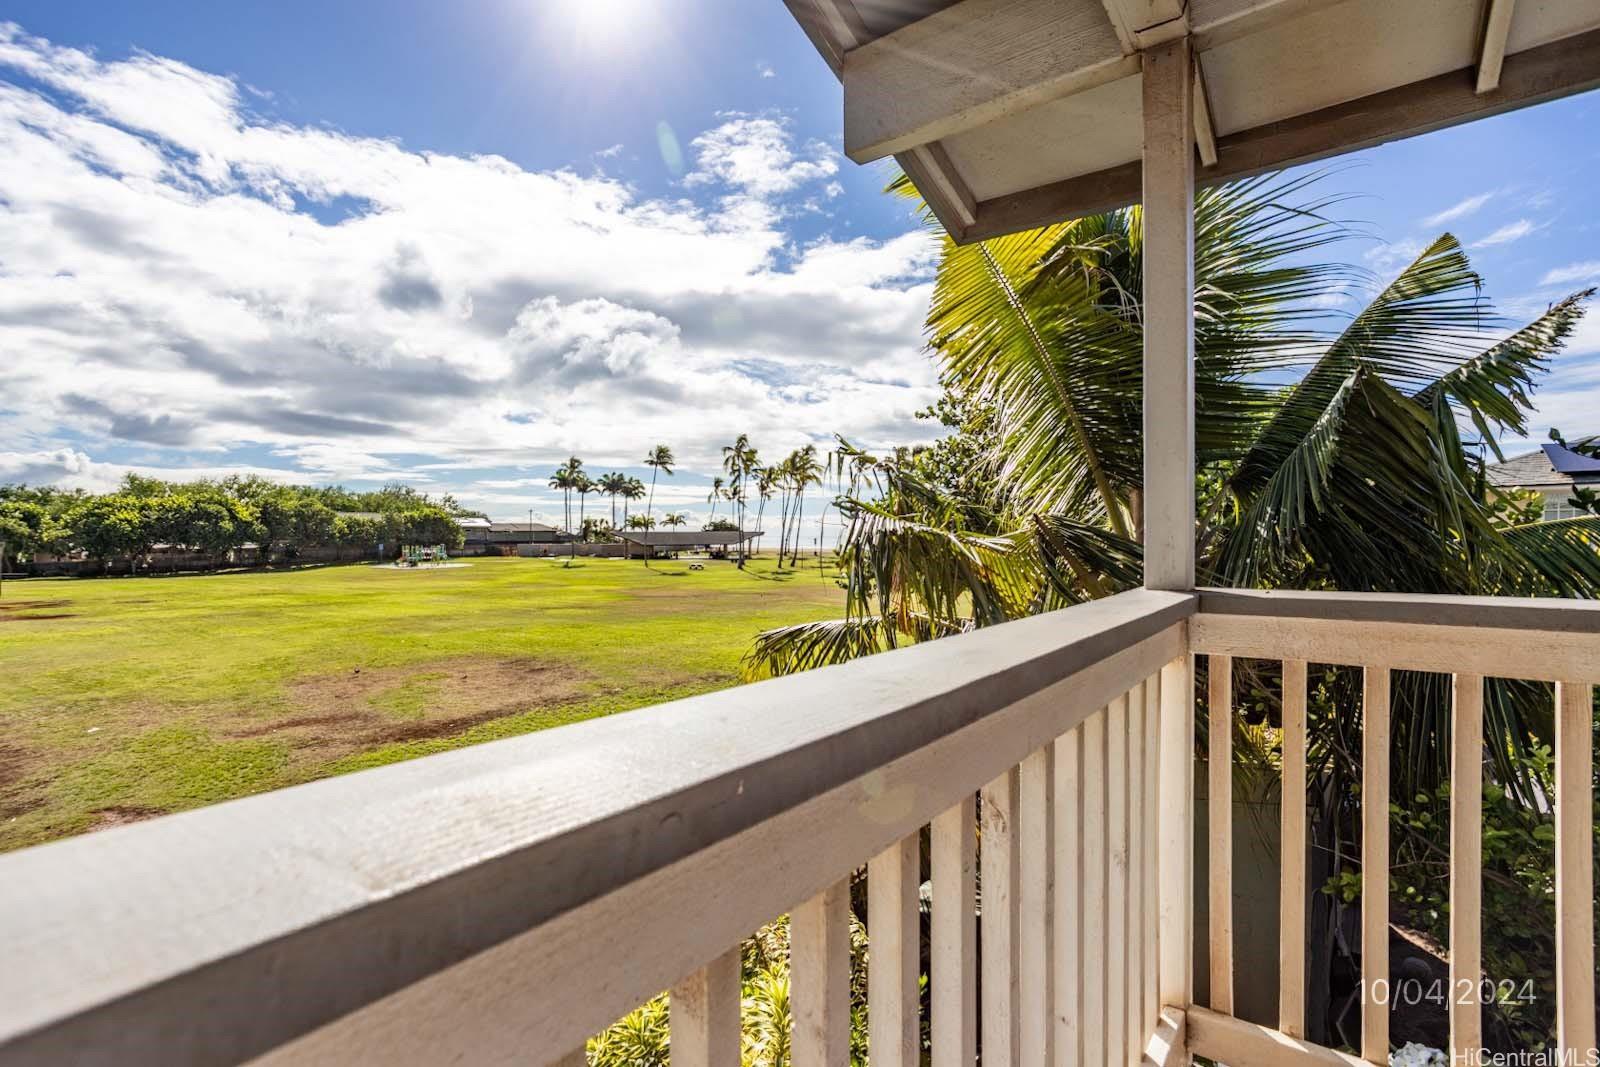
column 13, row 758
column 27, row 610
column 122, row 815
column 302, row 722
column 17, row 798
column 14, row 606
column 332, row 715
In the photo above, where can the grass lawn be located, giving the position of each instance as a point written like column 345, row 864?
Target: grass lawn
column 123, row 698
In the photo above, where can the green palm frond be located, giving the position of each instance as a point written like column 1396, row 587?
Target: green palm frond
column 1087, row 562
column 1557, row 558
column 1493, row 388
column 1039, row 366
column 900, row 566
column 1420, row 326
column 792, row 649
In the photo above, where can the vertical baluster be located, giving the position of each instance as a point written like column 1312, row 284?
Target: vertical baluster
column 1292, row 888
column 1175, row 864
column 1133, row 1004
column 998, row 870
column 1219, row 803
column 1575, row 1027
column 1068, row 926
column 1375, row 865
column 894, row 959
column 954, row 957
column 705, row 1015
column 1466, row 866
column 1152, row 801
column 1035, row 901
column 1092, row 975
column 819, row 976
column 1116, row 925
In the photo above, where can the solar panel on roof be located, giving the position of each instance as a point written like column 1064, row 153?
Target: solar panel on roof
column 1567, row 461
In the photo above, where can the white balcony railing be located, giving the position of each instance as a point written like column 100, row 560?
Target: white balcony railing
column 504, row 902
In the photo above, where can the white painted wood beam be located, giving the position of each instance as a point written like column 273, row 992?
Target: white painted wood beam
column 1536, row 75
column 1147, row 23
column 1496, row 30
column 1205, row 134
column 705, row 1015
column 1167, row 1046
column 940, row 184
column 1575, row 1026
column 982, row 60
column 1169, row 316
column 1237, row 1043
column 970, row 64
column 1466, row 865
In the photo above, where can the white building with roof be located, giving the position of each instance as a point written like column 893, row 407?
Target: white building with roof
column 1552, row 472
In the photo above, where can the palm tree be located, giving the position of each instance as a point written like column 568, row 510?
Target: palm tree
column 764, row 483
column 613, row 485
column 1328, row 449
column 583, row 485
column 715, row 495
column 739, row 460
column 634, row 490
column 804, row 470
column 1353, row 477
column 564, row 478
column 660, row 459
column 674, row 519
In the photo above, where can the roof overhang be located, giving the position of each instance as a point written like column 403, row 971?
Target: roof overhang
column 1010, row 114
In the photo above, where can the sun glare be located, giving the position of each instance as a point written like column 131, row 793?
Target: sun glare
column 607, row 25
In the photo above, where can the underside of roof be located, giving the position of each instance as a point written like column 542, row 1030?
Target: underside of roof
column 1010, row 114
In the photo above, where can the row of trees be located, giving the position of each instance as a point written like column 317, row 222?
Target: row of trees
column 788, row 478
column 217, row 516
column 746, row 478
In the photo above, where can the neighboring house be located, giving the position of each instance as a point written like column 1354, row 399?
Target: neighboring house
column 1552, row 472
column 485, row 536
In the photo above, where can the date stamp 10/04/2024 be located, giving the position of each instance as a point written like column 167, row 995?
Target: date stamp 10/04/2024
column 1410, row 992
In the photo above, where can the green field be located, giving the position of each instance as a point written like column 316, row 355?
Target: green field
column 124, row 698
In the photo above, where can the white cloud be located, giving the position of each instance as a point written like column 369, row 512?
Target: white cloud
column 1511, row 231
column 765, row 70
column 186, row 276
column 1459, row 210
column 755, row 153
column 1392, row 255
column 1589, row 270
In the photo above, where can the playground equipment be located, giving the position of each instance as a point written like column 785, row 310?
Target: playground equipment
column 422, row 556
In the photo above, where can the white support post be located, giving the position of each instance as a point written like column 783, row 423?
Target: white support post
column 1175, row 829
column 819, row 977
column 705, row 1015
column 1169, row 316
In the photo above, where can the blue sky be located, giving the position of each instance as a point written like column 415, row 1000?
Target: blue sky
column 452, row 243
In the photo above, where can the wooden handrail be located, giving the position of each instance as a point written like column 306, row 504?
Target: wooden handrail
column 507, row 901
column 420, row 910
